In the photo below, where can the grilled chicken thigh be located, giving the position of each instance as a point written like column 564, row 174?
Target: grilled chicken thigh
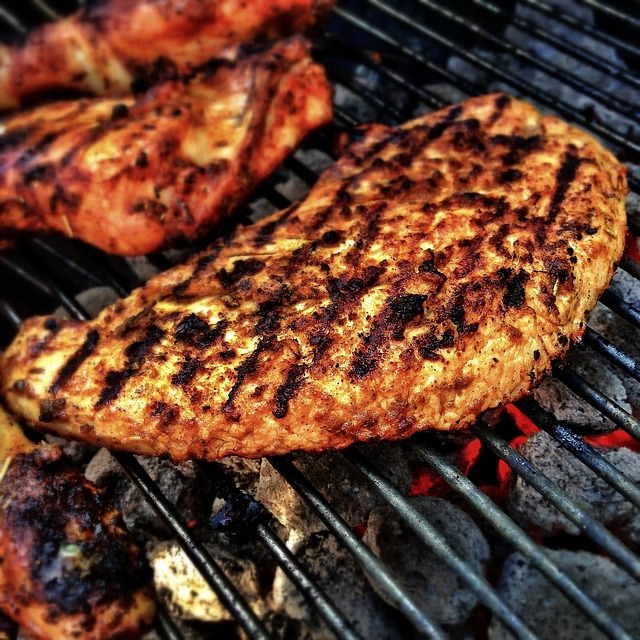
column 434, row 272
column 134, row 175
column 68, row 566
column 110, row 47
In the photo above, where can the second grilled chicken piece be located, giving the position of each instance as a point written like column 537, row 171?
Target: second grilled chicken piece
column 110, row 46
column 434, row 272
column 138, row 174
column 68, row 566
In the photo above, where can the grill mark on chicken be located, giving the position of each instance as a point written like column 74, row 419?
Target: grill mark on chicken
column 196, row 332
column 136, row 354
column 247, row 367
column 344, row 294
column 314, row 345
column 187, row 372
column 286, row 391
column 399, row 311
column 73, row 363
column 564, row 179
column 241, row 269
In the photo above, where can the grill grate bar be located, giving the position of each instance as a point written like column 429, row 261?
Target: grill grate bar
column 167, row 626
column 576, row 445
column 543, row 97
column 580, row 53
column 630, row 266
column 364, row 556
column 607, row 99
column 581, row 27
column 393, row 114
column 438, row 544
column 549, row 490
column 12, row 21
column 431, row 99
column 627, row 19
column 314, row 594
column 9, row 313
column 368, row 28
column 621, row 307
column 612, row 353
column 199, row 556
column 24, row 274
column 506, row 527
column 608, row 407
column 67, row 301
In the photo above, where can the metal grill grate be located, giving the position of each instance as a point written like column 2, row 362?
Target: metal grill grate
column 427, row 53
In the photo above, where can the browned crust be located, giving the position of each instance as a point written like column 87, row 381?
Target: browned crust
column 135, row 175
column 68, row 566
column 110, row 47
column 434, row 272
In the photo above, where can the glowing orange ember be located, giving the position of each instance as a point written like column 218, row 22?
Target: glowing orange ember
column 429, row 483
column 617, row 438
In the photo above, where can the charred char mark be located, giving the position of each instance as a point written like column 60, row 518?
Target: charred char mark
column 197, row 333
column 501, row 103
column 74, row 362
column 268, row 311
column 201, row 264
column 265, row 231
column 188, row 370
column 286, row 391
column 40, row 173
column 515, row 287
column 39, row 147
column 429, row 345
column 60, row 196
column 48, row 515
column 510, row 175
column 14, row 139
column 136, row 354
column 390, row 325
column 564, row 179
column 455, row 310
column 150, row 207
column 246, row 368
column 241, row 269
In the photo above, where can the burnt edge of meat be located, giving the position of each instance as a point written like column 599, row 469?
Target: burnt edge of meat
column 43, row 496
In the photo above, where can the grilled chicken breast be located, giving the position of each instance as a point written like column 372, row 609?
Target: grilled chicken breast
column 110, row 47
column 134, row 175
column 68, row 566
column 434, row 272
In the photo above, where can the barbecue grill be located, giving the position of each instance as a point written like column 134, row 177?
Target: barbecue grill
column 390, row 61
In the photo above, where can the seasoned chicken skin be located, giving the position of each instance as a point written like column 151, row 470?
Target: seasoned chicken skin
column 110, row 47
column 434, row 272
column 68, row 566
column 134, row 175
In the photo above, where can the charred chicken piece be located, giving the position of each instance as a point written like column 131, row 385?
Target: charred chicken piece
column 434, row 272
column 134, row 175
column 68, row 566
column 112, row 47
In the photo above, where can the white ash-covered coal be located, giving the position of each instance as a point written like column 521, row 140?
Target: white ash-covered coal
column 537, row 514
column 550, row 613
column 340, row 576
column 433, row 585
